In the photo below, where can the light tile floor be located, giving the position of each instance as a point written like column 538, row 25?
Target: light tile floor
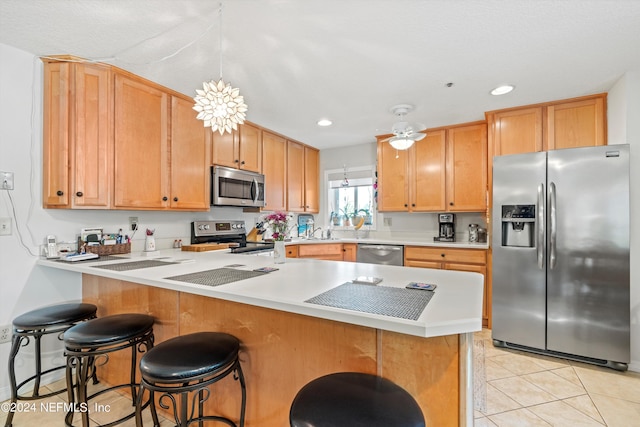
column 525, row 389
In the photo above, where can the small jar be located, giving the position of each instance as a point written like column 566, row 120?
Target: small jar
column 473, row 233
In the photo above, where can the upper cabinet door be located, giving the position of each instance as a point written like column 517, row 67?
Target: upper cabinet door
column 467, row 168
column 55, row 153
column 295, row 177
column 274, row 161
column 224, row 149
column 576, row 124
column 250, row 148
column 311, row 180
column 428, row 171
column 189, row 158
column 516, row 131
column 141, row 145
column 393, row 178
column 92, row 152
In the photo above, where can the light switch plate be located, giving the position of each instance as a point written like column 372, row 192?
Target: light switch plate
column 6, row 180
column 5, row 226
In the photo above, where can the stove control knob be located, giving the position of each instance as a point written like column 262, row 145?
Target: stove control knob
column 206, row 226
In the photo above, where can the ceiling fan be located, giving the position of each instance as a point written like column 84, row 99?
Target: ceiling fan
column 404, row 133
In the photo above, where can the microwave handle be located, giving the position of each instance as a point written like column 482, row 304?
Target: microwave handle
column 255, row 190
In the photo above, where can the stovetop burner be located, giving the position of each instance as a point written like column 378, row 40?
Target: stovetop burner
column 226, row 232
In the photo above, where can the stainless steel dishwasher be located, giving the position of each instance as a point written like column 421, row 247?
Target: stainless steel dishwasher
column 380, row 254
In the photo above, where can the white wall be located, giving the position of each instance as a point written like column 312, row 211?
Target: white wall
column 624, row 128
column 23, row 285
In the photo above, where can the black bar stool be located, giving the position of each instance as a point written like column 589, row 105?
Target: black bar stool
column 355, row 400
column 190, row 364
column 88, row 341
column 35, row 324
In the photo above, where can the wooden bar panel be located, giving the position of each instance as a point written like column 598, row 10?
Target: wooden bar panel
column 117, row 297
column 428, row 369
column 281, row 352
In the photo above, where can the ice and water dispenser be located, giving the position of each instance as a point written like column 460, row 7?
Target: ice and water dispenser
column 518, row 225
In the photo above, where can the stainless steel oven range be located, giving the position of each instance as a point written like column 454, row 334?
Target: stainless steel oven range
column 226, row 232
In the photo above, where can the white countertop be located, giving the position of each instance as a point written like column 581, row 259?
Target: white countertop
column 455, row 308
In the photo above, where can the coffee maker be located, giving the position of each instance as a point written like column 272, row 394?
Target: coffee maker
column 447, row 229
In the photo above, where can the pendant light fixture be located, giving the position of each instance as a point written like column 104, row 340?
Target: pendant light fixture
column 345, row 181
column 218, row 104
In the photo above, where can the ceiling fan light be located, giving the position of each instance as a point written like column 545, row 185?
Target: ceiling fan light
column 401, row 142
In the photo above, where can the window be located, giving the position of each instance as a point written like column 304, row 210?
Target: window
column 351, row 196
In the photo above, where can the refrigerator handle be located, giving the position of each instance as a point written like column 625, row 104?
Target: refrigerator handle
column 552, row 225
column 541, row 225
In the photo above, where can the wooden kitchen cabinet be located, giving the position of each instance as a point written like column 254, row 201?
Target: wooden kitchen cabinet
column 161, row 151
column 444, row 172
column 241, row 149
column 326, row 251
column 189, row 165
column 466, row 177
column 349, row 252
column 516, row 131
column 302, row 178
column 274, row 161
column 77, row 139
column 474, row 260
column 141, row 145
column 578, row 122
column 413, row 180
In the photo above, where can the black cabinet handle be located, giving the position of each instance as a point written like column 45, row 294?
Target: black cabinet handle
column 442, row 255
column 79, row 194
column 60, row 193
column 175, row 199
column 413, row 205
column 450, row 203
column 236, row 161
column 165, row 198
column 242, row 162
column 406, row 205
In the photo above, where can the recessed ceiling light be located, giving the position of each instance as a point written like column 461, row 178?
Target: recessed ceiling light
column 501, row 90
column 324, row 122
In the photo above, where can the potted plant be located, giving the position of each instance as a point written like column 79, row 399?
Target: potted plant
column 335, row 219
column 347, row 213
column 368, row 220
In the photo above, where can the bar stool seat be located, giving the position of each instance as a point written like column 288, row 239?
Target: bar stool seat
column 86, row 342
column 355, row 400
column 35, row 324
column 190, row 364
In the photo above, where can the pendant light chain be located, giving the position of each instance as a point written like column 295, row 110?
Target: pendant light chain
column 219, row 105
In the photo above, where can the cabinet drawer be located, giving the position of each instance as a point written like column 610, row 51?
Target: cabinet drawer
column 291, row 251
column 322, row 249
column 421, row 253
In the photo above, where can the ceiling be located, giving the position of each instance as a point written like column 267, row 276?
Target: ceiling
column 296, row 61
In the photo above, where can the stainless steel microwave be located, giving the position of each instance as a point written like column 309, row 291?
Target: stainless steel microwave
column 234, row 187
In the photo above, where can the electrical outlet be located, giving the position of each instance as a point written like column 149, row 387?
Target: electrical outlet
column 387, row 222
column 5, row 226
column 6, row 180
column 5, row 333
column 133, row 222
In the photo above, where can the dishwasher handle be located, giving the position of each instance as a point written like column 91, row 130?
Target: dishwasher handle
column 381, row 247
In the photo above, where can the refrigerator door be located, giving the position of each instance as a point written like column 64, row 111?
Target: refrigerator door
column 588, row 274
column 518, row 245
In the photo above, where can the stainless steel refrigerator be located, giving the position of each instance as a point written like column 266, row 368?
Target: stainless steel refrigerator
column 560, row 247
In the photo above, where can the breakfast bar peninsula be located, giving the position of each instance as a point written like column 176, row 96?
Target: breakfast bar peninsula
column 301, row 321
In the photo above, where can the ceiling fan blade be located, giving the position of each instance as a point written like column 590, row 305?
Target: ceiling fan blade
column 417, row 136
column 387, row 139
